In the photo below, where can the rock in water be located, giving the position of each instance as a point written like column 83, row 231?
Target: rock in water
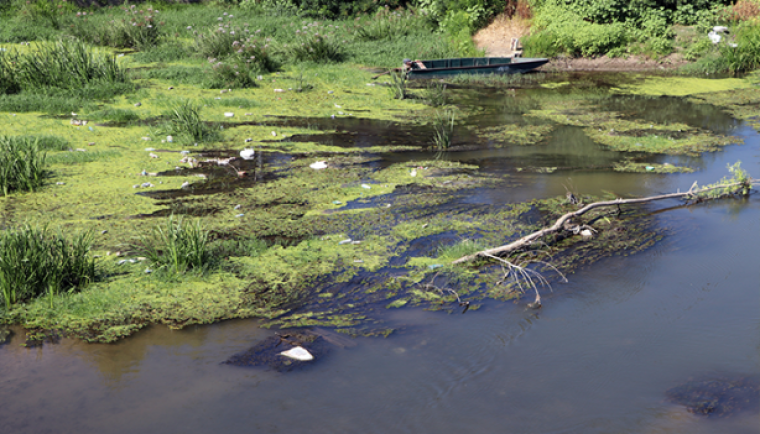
column 298, row 353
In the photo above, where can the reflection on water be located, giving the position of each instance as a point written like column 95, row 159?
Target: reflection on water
column 598, row 358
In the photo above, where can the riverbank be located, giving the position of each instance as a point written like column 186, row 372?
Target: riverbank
column 324, row 197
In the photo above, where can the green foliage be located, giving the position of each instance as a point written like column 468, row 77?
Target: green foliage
column 315, row 42
column 460, row 249
column 65, row 64
column 743, row 54
column 177, row 247
column 45, row 12
column 183, row 120
column 573, row 35
column 78, row 157
column 22, row 164
column 136, row 28
column 34, row 262
column 386, row 24
column 443, row 128
column 435, row 94
column 540, row 44
column 398, row 84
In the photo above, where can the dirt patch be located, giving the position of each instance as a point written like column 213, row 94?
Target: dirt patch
column 496, row 38
column 604, row 63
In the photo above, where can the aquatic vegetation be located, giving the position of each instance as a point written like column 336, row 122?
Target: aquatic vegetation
column 398, row 84
column 498, row 80
column 183, row 120
column 34, row 262
column 435, row 94
column 519, row 135
column 177, row 247
column 643, row 167
column 443, row 126
column 77, row 157
column 22, row 164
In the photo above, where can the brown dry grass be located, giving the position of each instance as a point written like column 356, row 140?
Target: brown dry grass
column 497, row 36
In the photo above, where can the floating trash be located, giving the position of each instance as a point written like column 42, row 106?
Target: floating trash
column 434, row 266
column 649, row 168
column 346, row 241
column 185, row 184
column 247, row 153
column 229, row 114
column 366, row 186
column 138, row 104
column 298, row 353
column 318, row 165
column 248, row 140
column 237, row 206
column 169, row 139
column 60, row 183
column 274, row 134
column 239, row 215
column 337, row 202
column 279, row 90
column 148, row 271
column 152, row 155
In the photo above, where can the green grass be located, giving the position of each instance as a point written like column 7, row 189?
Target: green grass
column 443, row 126
column 22, row 164
column 462, row 248
column 177, row 246
column 183, row 120
column 78, row 157
column 34, row 262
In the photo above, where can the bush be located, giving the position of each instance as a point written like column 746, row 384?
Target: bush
column 22, row 164
column 177, row 247
column 540, row 44
column 743, row 54
column 34, row 262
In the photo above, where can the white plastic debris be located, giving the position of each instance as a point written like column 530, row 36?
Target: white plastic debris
column 274, row 134
column 229, row 114
column 586, row 233
column 248, row 140
column 336, row 106
column 237, row 206
column 169, row 139
column 366, row 186
column 247, row 154
column 279, row 90
column 298, row 353
column 714, row 37
column 318, row 165
column 239, row 215
column 413, row 173
column 152, row 155
column 346, row 241
column 185, row 184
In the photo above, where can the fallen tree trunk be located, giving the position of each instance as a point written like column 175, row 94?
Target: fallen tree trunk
column 559, row 224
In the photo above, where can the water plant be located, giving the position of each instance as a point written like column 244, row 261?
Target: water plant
column 183, row 120
column 177, row 246
column 34, row 262
column 22, row 164
column 398, row 84
column 387, row 24
column 443, row 127
column 435, row 94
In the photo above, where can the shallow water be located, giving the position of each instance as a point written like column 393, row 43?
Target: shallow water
column 598, row 357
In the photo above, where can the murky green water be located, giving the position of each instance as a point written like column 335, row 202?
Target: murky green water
column 597, row 358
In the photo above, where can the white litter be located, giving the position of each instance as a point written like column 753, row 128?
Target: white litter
column 247, row 154
column 229, row 114
column 318, row 165
column 366, row 186
column 346, row 241
column 298, row 353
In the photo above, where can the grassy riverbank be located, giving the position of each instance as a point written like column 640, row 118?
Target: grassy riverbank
column 152, row 129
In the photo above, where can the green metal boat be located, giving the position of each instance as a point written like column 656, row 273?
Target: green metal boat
column 473, row 65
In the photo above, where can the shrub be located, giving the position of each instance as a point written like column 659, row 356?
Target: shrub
column 314, row 42
column 744, row 54
column 51, row 12
column 33, row 262
column 540, row 44
column 22, row 164
column 177, row 247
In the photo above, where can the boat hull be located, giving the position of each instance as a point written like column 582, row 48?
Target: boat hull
column 476, row 65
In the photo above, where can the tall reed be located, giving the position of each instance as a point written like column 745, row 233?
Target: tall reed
column 443, row 127
column 34, row 262
column 183, row 120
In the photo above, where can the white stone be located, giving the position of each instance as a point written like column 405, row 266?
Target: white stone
column 298, row 353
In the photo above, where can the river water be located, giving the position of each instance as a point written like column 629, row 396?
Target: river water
column 597, row 358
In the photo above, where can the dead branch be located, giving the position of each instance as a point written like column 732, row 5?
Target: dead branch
column 559, row 224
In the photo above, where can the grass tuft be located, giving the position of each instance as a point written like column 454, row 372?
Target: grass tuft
column 34, row 262
column 22, row 164
column 443, row 125
column 177, row 247
column 183, row 120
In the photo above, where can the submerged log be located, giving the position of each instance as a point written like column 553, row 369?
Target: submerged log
column 741, row 186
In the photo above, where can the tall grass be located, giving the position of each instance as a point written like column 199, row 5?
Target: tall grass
column 34, row 262
column 398, row 84
column 435, row 94
column 315, row 42
column 443, row 127
column 136, row 28
column 178, row 246
column 387, row 24
column 744, row 54
column 62, row 65
column 22, row 164
column 183, row 120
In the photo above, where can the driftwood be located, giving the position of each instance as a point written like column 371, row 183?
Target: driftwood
column 559, row 224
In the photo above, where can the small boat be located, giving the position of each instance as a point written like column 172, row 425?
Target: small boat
column 473, row 65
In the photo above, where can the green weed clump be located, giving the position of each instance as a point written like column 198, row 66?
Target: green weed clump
column 177, row 247
column 137, row 28
column 386, row 24
column 22, row 164
column 65, row 68
column 34, row 262
column 443, row 126
column 435, row 94
column 183, row 120
column 315, row 42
